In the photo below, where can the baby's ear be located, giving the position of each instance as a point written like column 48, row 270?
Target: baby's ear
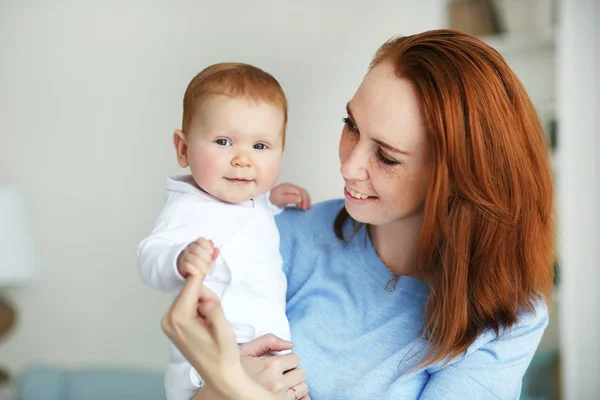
column 180, row 143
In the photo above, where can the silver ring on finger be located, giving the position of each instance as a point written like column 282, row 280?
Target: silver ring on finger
column 295, row 393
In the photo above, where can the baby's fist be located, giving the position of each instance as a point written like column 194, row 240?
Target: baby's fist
column 197, row 258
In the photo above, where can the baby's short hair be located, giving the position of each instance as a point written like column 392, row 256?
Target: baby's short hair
column 237, row 80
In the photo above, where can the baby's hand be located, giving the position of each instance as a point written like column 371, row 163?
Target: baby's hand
column 288, row 193
column 197, row 258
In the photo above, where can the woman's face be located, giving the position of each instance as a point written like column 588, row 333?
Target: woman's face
column 384, row 151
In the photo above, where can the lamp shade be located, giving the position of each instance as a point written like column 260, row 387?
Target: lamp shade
column 18, row 257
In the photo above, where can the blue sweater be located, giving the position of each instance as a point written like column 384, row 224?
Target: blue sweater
column 358, row 341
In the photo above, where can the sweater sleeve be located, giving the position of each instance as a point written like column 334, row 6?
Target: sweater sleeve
column 493, row 367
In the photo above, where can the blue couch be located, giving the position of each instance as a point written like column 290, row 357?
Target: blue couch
column 53, row 383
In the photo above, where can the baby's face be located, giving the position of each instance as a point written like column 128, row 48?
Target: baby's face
column 235, row 147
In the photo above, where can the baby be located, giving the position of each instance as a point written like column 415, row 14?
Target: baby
column 221, row 217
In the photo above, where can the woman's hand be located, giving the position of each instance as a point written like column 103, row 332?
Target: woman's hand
column 195, row 323
column 279, row 374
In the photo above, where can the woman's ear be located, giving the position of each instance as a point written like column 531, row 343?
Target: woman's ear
column 180, row 143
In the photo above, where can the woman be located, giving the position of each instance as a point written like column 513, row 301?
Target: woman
column 430, row 279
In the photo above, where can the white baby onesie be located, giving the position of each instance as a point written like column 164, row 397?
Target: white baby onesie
column 247, row 275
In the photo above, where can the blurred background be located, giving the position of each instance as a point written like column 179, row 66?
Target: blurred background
column 90, row 93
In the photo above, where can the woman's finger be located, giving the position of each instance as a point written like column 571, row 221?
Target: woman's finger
column 294, row 377
column 297, row 392
column 285, row 362
column 210, row 310
column 183, row 309
column 264, row 345
column 188, row 297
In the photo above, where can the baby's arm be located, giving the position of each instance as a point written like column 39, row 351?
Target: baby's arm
column 173, row 250
column 157, row 262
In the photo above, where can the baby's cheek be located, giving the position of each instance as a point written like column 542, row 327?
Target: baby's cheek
column 205, row 170
column 271, row 170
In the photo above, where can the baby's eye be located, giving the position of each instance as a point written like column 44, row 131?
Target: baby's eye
column 260, row 146
column 223, row 142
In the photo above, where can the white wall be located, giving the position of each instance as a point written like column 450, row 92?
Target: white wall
column 579, row 197
column 90, row 93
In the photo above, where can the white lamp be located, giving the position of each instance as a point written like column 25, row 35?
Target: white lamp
column 17, row 250
column 18, row 257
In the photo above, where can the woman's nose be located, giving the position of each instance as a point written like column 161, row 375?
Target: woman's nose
column 354, row 164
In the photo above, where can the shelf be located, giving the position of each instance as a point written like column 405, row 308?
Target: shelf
column 521, row 42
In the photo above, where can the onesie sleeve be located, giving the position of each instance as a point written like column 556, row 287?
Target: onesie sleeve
column 176, row 227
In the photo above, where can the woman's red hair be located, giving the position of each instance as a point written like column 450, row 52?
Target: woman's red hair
column 486, row 246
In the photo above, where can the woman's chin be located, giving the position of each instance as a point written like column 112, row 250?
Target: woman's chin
column 359, row 214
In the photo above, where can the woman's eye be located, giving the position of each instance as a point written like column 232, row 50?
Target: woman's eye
column 223, row 142
column 351, row 125
column 260, row 146
column 385, row 160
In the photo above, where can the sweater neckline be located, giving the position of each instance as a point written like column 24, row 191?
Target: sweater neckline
column 371, row 260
